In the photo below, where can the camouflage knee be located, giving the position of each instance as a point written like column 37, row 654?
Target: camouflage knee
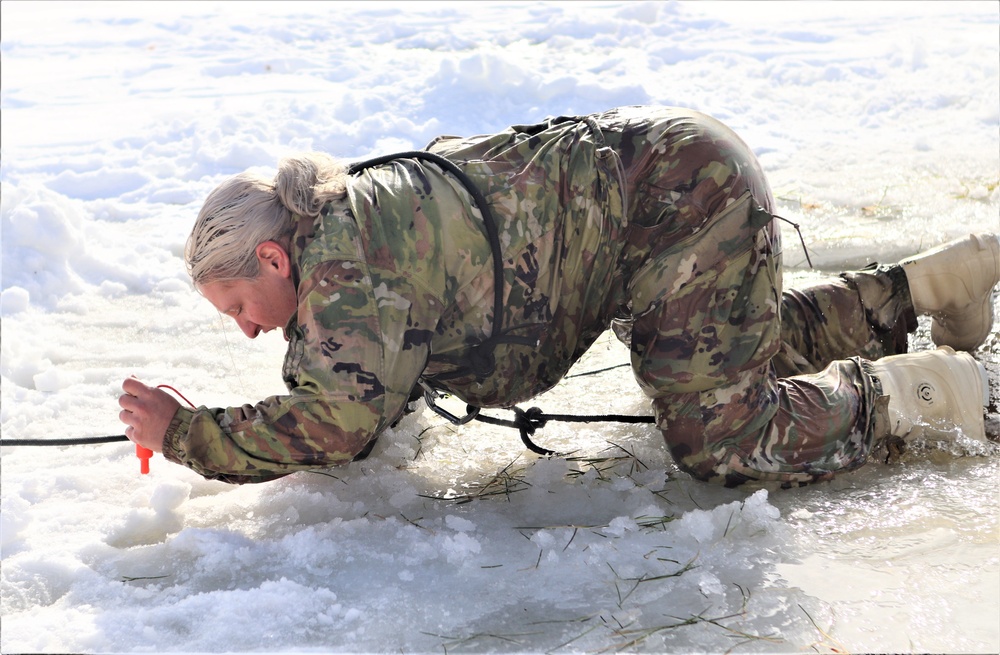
column 795, row 431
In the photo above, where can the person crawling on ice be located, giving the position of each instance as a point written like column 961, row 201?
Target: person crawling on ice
column 486, row 266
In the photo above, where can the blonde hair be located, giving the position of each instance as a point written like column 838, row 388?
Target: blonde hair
column 248, row 209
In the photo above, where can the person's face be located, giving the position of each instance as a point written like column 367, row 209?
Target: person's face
column 262, row 304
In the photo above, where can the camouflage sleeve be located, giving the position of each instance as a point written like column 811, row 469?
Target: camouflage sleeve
column 351, row 363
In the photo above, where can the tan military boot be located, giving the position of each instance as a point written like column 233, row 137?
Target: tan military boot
column 953, row 283
column 934, row 394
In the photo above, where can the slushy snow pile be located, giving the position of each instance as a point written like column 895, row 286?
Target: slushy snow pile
column 879, row 127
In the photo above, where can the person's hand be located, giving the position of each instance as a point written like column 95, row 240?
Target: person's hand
column 147, row 412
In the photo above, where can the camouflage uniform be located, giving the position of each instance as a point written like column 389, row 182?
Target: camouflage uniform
column 654, row 219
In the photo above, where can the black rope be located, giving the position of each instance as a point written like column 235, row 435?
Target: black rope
column 600, row 370
column 82, row 441
column 528, row 421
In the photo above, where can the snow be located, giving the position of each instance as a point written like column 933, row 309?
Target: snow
column 879, row 127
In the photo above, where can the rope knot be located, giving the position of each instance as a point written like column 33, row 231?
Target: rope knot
column 526, row 422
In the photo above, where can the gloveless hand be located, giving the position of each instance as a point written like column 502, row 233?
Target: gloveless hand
column 147, row 412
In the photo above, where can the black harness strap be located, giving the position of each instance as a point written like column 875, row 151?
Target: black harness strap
column 480, row 360
column 802, row 240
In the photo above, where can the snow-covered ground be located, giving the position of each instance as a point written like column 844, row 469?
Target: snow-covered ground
column 879, row 126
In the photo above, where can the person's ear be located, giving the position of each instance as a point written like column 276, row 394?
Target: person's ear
column 273, row 258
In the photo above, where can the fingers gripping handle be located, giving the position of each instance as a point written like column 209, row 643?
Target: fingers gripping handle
column 145, row 454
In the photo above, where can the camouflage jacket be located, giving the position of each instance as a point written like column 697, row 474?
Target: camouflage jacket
column 395, row 282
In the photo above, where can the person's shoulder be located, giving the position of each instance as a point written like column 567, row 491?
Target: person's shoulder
column 336, row 235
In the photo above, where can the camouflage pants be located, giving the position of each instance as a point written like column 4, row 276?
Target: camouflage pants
column 747, row 381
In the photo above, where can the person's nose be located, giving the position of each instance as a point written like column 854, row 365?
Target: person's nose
column 249, row 328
